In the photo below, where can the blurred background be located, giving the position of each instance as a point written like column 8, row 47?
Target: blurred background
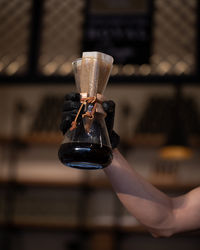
column 155, row 85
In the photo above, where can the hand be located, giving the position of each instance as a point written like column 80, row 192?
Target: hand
column 70, row 109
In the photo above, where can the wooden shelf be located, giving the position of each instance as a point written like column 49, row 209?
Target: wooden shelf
column 75, row 226
column 56, row 138
column 53, row 173
column 75, row 180
column 154, row 140
column 150, row 140
column 43, row 138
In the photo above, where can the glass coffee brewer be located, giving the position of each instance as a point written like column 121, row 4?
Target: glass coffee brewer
column 86, row 144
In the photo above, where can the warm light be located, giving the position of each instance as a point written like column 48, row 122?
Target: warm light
column 66, row 68
column 115, row 70
column 50, row 68
column 145, row 69
column 128, row 69
column 176, row 153
column 12, row 68
column 164, row 67
column 181, row 67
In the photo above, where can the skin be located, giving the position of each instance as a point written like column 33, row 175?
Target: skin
column 162, row 215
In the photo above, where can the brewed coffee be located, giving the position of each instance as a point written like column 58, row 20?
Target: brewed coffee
column 85, row 155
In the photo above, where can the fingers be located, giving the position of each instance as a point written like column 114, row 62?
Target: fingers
column 71, row 102
column 66, row 120
column 72, row 97
column 109, row 106
column 69, row 115
column 69, row 110
column 64, row 126
column 71, row 105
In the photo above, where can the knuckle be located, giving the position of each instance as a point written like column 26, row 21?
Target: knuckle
column 109, row 106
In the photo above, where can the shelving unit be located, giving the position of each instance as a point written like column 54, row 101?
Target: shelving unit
column 53, row 174
column 56, row 176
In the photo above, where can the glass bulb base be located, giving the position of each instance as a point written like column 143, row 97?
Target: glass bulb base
column 85, row 155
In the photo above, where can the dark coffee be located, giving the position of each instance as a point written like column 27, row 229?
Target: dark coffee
column 85, row 155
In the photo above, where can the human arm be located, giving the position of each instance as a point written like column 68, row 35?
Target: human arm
column 159, row 213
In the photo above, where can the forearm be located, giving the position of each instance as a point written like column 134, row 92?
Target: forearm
column 149, row 205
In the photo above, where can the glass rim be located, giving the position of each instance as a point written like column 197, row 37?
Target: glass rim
column 77, row 60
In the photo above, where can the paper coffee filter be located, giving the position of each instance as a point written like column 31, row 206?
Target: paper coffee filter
column 98, row 55
column 95, row 72
column 104, row 74
column 89, row 75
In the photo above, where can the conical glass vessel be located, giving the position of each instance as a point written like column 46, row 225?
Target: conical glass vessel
column 86, row 144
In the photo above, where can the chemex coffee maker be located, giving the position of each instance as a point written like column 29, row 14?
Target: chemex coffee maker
column 86, row 144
